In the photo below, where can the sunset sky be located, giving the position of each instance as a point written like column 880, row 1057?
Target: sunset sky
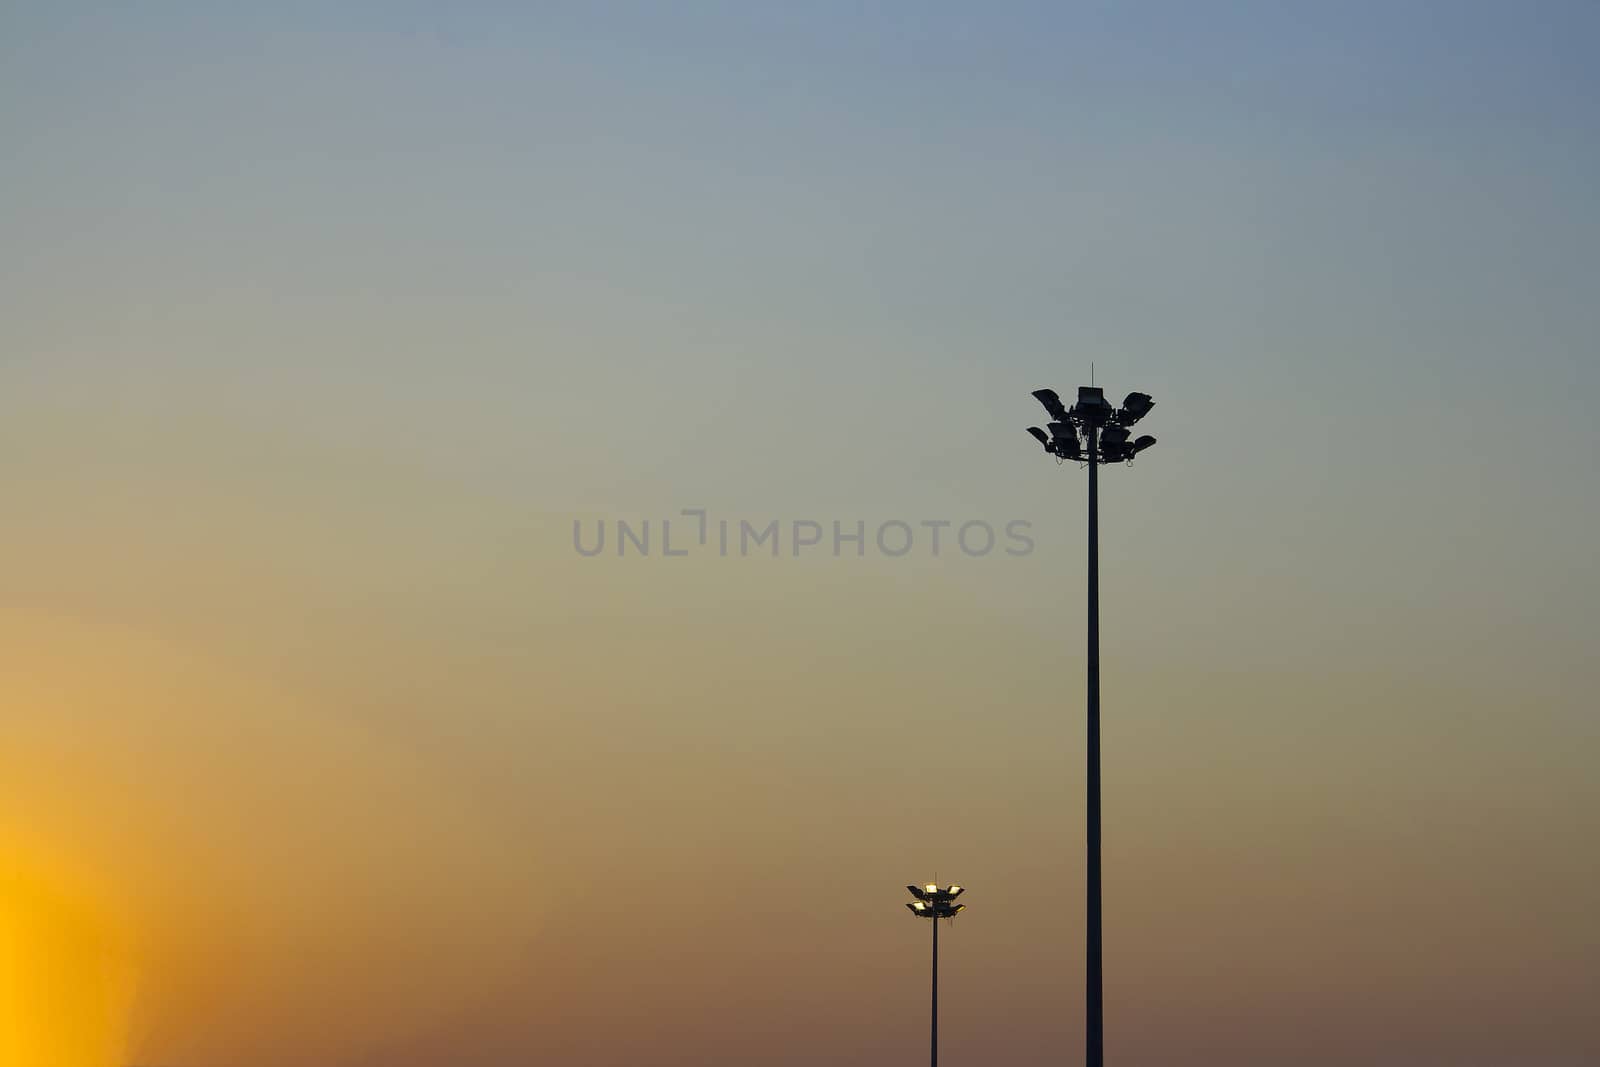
column 322, row 324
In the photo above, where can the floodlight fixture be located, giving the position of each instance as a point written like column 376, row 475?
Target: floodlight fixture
column 1134, row 407
column 1113, row 444
column 1092, row 430
column 1051, row 402
column 1092, row 407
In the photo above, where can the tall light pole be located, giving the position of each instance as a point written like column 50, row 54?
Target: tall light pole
column 1092, row 432
column 935, row 903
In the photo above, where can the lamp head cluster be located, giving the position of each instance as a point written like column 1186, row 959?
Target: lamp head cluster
column 934, row 902
column 1092, row 425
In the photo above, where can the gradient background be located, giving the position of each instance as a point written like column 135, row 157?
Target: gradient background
column 320, row 324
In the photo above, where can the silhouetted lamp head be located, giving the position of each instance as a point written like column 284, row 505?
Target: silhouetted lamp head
column 1062, row 440
column 1092, row 417
column 1092, row 408
column 1052, row 403
column 1066, row 441
column 1134, row 408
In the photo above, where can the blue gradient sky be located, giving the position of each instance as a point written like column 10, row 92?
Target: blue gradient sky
column 319, row 325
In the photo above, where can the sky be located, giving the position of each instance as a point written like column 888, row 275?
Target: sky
column 331, row 335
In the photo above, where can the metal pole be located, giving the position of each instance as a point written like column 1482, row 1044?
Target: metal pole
column 933, row 1046
column 1094, row 1034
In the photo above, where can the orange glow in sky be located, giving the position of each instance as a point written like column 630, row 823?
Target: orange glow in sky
column 65, row 975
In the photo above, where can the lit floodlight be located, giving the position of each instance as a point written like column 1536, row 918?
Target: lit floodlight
column 1038, row 435
column 1052, row 403
column 934, row 902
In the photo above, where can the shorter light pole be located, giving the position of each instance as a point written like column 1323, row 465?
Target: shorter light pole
column 935, row 903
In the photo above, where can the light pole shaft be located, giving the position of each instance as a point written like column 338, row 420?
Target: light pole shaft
column 933, row 1037
column 1094, row 1030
